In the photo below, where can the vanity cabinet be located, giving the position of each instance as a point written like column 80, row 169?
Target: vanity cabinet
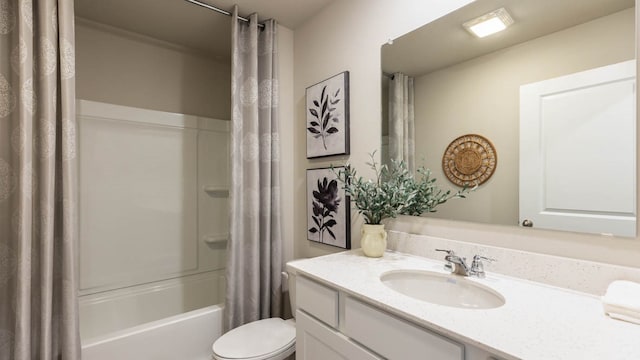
column 334, row 325
column 317, row 320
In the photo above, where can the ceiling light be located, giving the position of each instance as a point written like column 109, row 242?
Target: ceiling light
column 490, row 23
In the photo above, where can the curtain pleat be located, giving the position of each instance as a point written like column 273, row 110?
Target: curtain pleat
column 38, row 181
column 254, row 254
column 401, row 120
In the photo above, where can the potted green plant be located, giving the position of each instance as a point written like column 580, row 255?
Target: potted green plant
column 428, row 195
column 395, row 190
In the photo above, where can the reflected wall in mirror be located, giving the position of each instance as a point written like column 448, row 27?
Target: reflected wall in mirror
column 467, row 85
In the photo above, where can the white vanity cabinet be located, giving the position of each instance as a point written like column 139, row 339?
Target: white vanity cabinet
column 317, row 321
column 334, row 325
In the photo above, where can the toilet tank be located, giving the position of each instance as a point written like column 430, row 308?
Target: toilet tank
column 289, row 278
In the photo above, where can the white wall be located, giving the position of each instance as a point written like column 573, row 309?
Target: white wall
column 124, row 68
column 347, row 35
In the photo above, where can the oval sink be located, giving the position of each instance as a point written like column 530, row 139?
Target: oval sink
column 442, row 289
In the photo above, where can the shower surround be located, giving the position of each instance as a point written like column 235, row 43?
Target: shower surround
column 153, row 218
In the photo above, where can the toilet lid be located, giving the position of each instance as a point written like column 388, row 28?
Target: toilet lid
column 256, row 339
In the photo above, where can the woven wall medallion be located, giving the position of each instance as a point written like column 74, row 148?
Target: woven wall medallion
column 470, row 159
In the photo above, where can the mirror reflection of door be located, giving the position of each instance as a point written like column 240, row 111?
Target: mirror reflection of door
column 577, row 151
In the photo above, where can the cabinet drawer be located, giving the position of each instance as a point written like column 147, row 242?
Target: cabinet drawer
column 316, row 341
column 318, row 300
column 393, row 338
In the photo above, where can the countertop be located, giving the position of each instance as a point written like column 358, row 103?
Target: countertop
column 536, row 322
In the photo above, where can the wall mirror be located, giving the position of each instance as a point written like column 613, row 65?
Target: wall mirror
column 555, row 95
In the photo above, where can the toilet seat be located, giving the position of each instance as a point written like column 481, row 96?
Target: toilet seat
column 272, row 339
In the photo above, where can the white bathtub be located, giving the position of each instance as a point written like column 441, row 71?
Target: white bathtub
column 186, row 336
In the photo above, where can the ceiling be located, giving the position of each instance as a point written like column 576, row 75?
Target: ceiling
column 186, row 24
column 444, row 42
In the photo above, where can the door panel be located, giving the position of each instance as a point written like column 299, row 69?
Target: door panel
column 577, row 151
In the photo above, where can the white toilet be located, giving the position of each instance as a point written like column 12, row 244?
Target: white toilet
column 267, row 339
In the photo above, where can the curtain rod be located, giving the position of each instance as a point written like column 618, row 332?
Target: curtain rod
column 218, row 10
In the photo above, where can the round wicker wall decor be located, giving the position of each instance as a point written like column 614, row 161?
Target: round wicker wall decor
column 470, row 159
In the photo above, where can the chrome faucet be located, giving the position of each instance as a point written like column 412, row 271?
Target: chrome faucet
column 458, row 265
column 455, row 264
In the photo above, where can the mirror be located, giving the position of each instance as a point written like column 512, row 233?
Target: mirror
column 578, row 170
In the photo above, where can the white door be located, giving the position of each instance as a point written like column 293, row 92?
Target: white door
column 578, row 152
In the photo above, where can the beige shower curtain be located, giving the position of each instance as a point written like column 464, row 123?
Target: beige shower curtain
column 254, row 251
column 38, row 304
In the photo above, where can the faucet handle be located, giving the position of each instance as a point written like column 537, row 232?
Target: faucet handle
column 448, row 266
column 477, row 267
column 449, row 252
column 479, row 258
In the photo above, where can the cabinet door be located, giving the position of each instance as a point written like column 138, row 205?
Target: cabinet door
column 317, row 300
column 315, row 341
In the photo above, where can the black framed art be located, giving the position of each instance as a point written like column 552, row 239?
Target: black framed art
column 327, row 117
column 328, row 209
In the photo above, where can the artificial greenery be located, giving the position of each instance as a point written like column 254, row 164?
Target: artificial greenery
column 427, row 194
column 395, row 191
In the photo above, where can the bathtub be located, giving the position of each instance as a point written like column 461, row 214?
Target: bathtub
column 186, row 336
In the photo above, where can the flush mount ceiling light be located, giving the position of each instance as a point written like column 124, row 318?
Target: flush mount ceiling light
column 490, row 23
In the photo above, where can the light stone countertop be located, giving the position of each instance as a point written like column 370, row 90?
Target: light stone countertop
column 536, row 322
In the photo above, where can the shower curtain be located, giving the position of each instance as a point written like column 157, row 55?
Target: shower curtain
column 254, row 288
column 401, row 120
column 38, row 278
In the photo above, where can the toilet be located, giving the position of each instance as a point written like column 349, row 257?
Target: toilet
column 267, row 339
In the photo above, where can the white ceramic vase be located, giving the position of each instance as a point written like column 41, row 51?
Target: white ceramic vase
column 373, row 240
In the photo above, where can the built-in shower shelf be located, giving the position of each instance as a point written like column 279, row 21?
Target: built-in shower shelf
column 215, row 239
column 216, row 191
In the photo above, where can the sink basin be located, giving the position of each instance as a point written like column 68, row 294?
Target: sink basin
column 442, row 289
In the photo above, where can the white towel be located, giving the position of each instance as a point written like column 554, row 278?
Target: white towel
column 622, row 301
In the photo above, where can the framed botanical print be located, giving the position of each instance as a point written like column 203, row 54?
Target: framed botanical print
column 327, row 117
column 328, row 209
